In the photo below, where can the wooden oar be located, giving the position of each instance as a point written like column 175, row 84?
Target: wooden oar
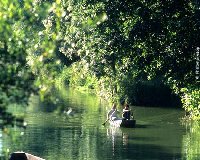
column 105, row 122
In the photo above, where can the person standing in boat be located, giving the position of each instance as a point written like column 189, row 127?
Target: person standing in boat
column 112, row 114
column 126, row 113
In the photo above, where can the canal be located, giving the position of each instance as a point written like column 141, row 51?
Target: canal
column 57, row 135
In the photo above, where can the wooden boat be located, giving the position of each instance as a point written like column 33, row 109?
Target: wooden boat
column 123, row 123
column 23, row 156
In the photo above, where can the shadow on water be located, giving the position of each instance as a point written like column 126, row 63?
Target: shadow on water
column 143, row 126
column 141, row 152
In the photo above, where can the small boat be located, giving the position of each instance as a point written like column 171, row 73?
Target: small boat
column 123, row 123
column 23, row 156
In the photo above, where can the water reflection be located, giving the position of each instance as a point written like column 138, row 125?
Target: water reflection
column 125, row 138
column 191, row 141
column 1, row 144
column 117, row 135
column 128, row 144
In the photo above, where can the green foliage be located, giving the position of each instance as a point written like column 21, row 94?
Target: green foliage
column 63, row 78
column 166, row 41
column 16, row 81
column 191, row 102
column 114, row 38
column 83, row 79
column 112, row 46
column 158, row 40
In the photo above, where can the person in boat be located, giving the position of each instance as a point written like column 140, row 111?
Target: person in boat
column 126, row 113
column 112, row 114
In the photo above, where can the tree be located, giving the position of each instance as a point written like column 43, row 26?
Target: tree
column 141, row 38
column 169, row 45
column 16, row 81
column 113, row 41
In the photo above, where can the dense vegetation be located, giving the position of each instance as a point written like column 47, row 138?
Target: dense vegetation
column 16, row 80
column 124, row 50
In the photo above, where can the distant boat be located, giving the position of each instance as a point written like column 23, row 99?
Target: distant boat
column 69, row 112
column 123, row 123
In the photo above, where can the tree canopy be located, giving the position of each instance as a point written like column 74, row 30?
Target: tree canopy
column 111, row 46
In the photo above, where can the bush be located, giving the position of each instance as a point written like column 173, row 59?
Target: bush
column 191, row 102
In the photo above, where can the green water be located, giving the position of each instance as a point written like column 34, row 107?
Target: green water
column 81, row 136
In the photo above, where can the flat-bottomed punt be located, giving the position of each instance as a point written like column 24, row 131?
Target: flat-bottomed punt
column 123, row 123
